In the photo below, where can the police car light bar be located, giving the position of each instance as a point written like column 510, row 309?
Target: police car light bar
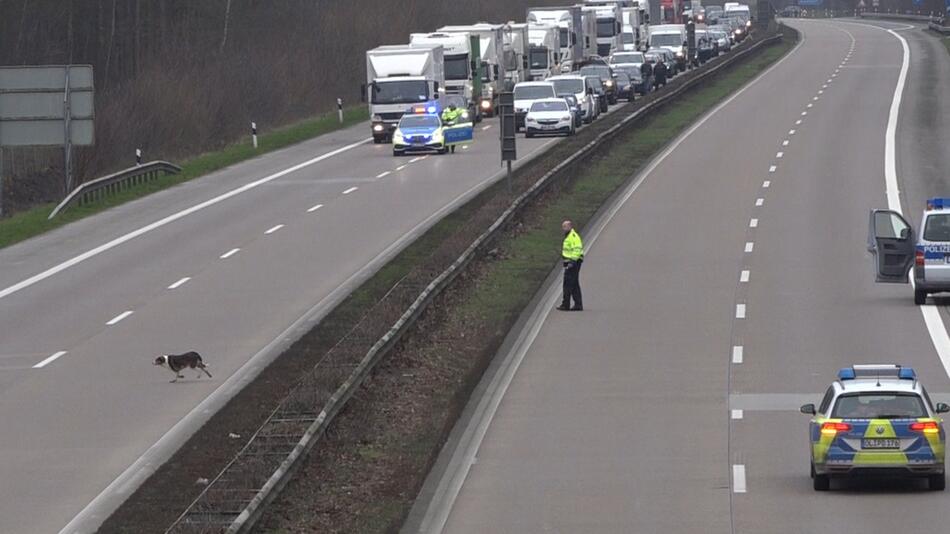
column 867, row 371
column 938, row 203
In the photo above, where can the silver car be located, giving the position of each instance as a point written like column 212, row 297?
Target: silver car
column 892, row 244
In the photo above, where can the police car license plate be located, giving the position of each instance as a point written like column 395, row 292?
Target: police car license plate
column 880, row 443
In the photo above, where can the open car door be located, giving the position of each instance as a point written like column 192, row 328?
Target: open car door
column 892, row 244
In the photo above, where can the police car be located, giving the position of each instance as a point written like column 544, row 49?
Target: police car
column 419, row 131
column 895, row 249
column 876, row 420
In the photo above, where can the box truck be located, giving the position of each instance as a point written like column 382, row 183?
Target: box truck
column 400, row 77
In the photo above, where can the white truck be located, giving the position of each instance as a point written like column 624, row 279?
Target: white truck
column 569, row 23
column 516, row 54
column 400, row 77
column 544, row 50
column 609, row 25
column 635, row 32
column 673, row 38
column 491, row 44
column 457, row 63
column 588, row 32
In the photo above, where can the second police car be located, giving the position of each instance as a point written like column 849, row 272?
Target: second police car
column 876, row 420
column 896, row 248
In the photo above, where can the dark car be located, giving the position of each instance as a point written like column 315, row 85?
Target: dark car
column 575, row 109
column 600, row 91
column 625, row 86
column 606, row 75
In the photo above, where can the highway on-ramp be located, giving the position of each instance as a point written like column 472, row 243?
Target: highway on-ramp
column 234, row 265
column 724, row 289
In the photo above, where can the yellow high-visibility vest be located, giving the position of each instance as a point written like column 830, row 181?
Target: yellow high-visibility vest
column 573, row 248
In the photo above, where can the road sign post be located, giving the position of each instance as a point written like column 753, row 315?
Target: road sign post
column 47, row 105
column 509, row 152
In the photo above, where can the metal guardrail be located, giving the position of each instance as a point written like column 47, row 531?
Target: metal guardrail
column 898, row 16
column 945, row 30
column 113, row 183
column 293, row 429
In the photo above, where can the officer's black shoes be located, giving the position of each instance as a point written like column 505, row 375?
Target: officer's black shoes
column 578, row 308
column 563, row 308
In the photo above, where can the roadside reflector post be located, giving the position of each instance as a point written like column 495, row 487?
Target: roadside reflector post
column 507, row 132
column 254, row 134
column 138, row 156
column 339, row 109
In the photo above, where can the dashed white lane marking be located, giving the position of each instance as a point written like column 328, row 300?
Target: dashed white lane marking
column 230, row 253
column 736, row 414
column 487, row 126
column 740, row 311
column 791, row 132
column 117, row 318
column 779, row 154
column 772, row 168
column 814, row 98
column 737, row 354
column 180, row 283
column 810, row 105
column 274, row 229
column 759, row 201
column 401, row 167
column 415, row 159
column 749, row 246
column 766, row 184
column 799, row 121
column 829, row 81
column 822, row 91
column 804, row 113
column 744, row 276
column 170, row 219
column 49, row 360
column 464, row 147
column 785, row 142
column 383, row 174
column 738, row 478
column 350, row 190
column 314, row 208
column 753, row 223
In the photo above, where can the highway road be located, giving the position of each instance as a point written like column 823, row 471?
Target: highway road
column 722, row 291
column 234, row 265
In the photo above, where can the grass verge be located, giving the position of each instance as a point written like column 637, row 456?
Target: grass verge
column 33, row 222
column 404, row 412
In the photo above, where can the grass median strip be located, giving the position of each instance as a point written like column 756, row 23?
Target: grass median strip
column 364, row 476
column 33, row 222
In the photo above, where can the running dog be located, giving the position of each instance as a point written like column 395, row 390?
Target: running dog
column 177, row 362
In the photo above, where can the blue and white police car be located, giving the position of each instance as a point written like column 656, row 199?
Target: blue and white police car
column 896, row 248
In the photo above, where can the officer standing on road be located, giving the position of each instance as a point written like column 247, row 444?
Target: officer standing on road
column 572, row 254
column 450, row 117
column 646, row 73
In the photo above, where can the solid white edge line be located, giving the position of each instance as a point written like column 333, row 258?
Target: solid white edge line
column 350, row 190
column 738, row 478
column 115, row 320
column 49, row 360
column 169, row 219
column 437, row 516
column 737, row 354
column 274, row 229
column 179, row 283
column 315, row 208
column 737, row 414
column 229, row 253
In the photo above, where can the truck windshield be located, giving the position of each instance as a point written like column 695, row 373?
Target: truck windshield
column 666, row 39
column 606, row 27
column 456, row 67
column 568, row 87
column 539, row 58
column 534, row 92
column 627, row 38
column 565, row 38
column 486, row 71
column 400, row 92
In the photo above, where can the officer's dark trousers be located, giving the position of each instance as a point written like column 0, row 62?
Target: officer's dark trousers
column 572, row 285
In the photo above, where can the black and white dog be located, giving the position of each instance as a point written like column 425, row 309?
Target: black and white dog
column 177, row 362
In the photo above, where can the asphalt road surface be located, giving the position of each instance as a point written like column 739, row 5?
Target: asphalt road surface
column 233, row 265
column 725, row 291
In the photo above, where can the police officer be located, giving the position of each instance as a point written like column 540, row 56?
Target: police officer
column 450, row 117
column 659, row 73
column 646, row 73
column 572, row 255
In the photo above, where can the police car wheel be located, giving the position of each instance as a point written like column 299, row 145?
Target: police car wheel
column 920, row 297
column 937, row 482
column 821, row 483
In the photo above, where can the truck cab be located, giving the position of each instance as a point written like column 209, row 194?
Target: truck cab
column 568, row 21
column 399, row 77
column 544, row 50
column 491, row 47
column 461, row 72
